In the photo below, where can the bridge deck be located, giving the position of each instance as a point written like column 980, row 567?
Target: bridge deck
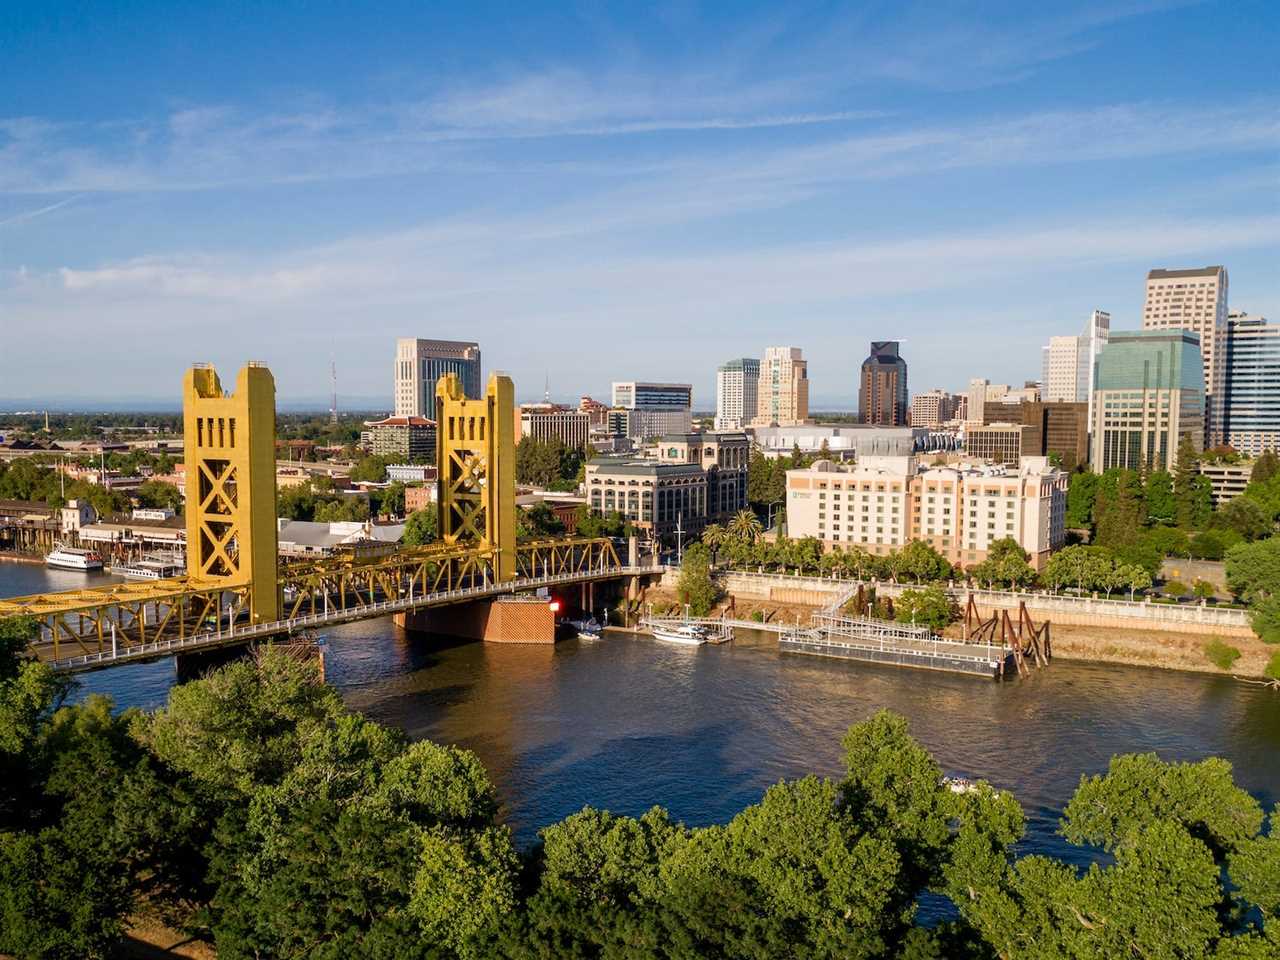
column 233, row 634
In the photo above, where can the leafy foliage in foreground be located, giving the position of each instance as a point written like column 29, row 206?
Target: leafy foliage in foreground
column 256, row 811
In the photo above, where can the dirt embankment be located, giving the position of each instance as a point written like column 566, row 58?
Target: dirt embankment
column 1152, row 648
column 737, row 608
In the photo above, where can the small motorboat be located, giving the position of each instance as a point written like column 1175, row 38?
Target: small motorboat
column 689, row 634
column 588, row 629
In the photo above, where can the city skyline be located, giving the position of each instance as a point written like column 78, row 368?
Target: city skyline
column 726, row 181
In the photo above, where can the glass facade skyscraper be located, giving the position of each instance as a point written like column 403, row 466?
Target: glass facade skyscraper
column 1148, row 396
column 1250, row 405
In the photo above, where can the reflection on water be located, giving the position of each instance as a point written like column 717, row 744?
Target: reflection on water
column 627, row 722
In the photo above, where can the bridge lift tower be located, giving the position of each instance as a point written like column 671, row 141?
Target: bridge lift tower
column 229, row 451
column 475, row 463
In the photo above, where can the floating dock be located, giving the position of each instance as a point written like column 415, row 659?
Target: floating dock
column 902, row 645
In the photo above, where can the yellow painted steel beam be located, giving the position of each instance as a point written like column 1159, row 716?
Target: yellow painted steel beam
column 475, row 462
column 229, row 451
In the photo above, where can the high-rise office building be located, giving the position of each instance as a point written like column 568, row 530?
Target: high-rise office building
column 1148, row 396
column 420, row 363
column 882, row 386
column 1249, row 400
column 783, row 398
column 1194, row 300
column 1067, row 374
column 652, row 409
column 932, row 408
column 737, row 393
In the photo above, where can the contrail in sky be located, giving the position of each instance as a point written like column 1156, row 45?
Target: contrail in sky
column 32, row 214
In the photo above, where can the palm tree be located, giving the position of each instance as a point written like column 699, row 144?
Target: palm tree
column 746, row 526
column 713, row 536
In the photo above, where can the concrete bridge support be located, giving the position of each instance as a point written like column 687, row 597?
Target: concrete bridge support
column 515, row 619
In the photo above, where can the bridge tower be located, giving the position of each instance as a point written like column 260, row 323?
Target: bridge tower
column 476, row 464
column 229, row 452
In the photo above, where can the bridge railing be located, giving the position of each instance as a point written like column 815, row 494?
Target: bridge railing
column 234, row 634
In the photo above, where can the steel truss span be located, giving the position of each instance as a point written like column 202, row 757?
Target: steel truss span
column 90, row 629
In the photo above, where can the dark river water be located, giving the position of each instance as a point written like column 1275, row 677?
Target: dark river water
column 627, row 722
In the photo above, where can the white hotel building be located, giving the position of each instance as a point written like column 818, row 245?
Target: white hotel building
column 883, row 503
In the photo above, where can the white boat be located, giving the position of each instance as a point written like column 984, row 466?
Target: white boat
column 73, row 558
column 959, row 785
column 690, row 634
column 153, row 568
column 588, row 629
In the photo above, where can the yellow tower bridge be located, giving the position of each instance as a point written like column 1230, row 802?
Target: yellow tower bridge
column 236, row 590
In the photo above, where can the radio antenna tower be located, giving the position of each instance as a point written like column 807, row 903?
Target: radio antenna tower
column 333, row 396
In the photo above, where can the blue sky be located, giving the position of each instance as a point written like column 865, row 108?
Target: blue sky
column 599, row 192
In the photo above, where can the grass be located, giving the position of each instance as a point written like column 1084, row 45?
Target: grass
column 1221, row 655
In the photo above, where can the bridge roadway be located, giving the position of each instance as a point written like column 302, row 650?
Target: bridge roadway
column 99, row 627
column 232, row 634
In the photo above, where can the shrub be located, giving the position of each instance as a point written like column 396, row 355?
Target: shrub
column 1220, row 654
column 757, row 616
column 929, row 607
column 1272, row 670
column 1175, row 588
column 1204, row 589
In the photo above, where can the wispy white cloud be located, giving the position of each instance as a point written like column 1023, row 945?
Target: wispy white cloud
column 505, row 283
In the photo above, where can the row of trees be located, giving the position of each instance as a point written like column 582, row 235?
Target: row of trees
column 549, row 463
column 1148, row 517
column 257, row 812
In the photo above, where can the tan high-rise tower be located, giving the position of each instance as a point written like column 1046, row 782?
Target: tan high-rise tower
column 1192, row 300
column 783, row 392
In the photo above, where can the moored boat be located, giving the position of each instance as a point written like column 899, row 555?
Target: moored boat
column 153, row 568
column 689, row 634
column 588, row 629
column 73, row 558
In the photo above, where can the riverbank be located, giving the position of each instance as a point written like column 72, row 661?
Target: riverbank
column 12, row 556
column 1165, row 650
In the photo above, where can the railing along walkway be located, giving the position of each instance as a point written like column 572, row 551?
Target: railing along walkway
column 1044, row 602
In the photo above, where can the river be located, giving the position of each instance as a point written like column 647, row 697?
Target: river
column 627, row 722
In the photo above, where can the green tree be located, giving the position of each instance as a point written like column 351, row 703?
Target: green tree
column 1082, row 490
column 1085, row 568
column 1191, row 490
column 591, row 524
column 547, row 463
column 346, row 509
column 926, row 607
column 538, row 520
column 1161, row 507
column 1265, row 467
column 1253, row 570
column 714, row 536
column 1170, row 829
column 1120, row 511
column 421, row 527
column 1246, row 516
column 696, row 586
column 1132, row 577
column 1006, row 565
column 373, row 469
column 157, row 495
column 746, row 526
column 330, row 829
column 923, row 563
